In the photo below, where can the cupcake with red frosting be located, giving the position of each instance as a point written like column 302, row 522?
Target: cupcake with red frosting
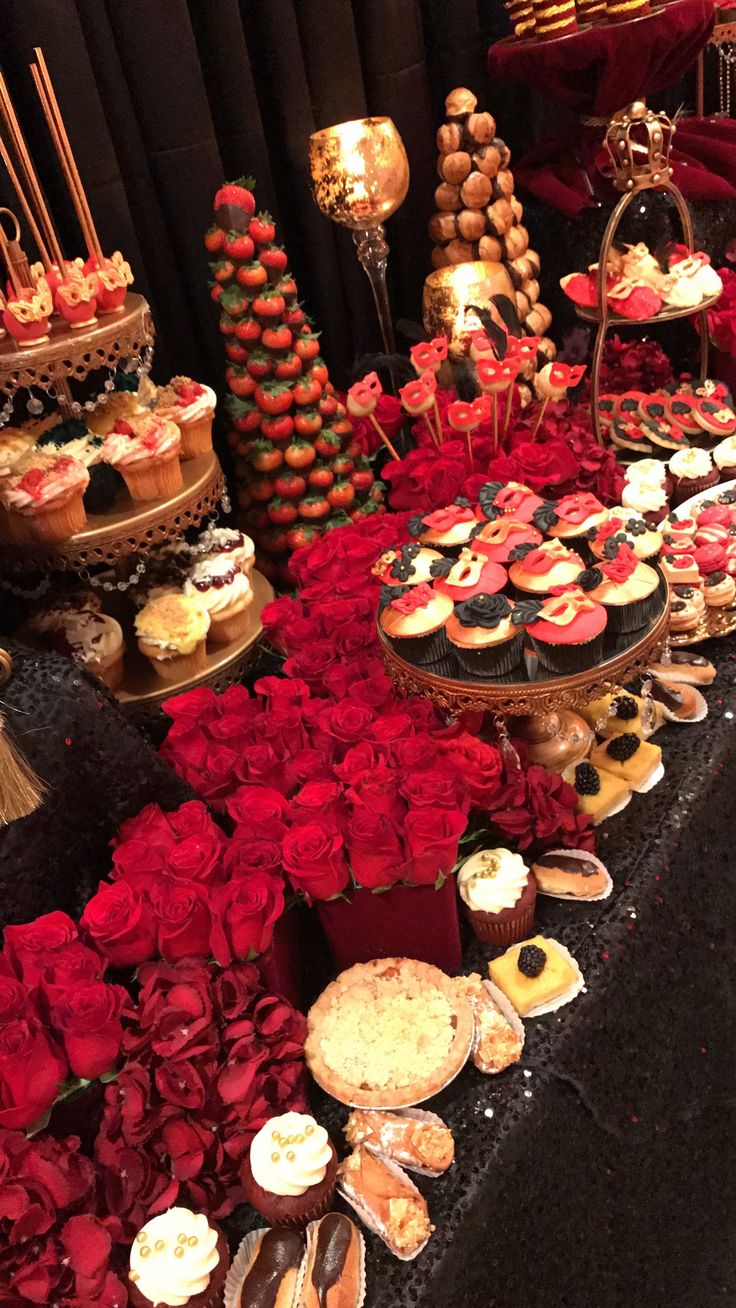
column 485, row 640
column 146, row 451
column 535, row 569
column 575, row 515
column 413, row 620
column 472, row 574
column 511, row 498
column 191, row 405
column 498, row 539
column 566, row 629
column 45, row 499
column 625, row 587
column 447, row 529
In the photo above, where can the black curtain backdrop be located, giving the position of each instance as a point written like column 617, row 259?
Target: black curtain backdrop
column 165, row 99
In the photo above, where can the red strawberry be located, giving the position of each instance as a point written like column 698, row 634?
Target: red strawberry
column 278, row 428
column 281, row 512
column 238, row 245
column 234, row 301
column 215, row 292
column 321, row 478
column 236, row 352
column 273, row 258
column 223, row 270
column 300, row 454
column 123, row 428
column 307, row 391
column 227, row 326
column 288, row 367
column 289, row 485
column 277, row 338
column 262, row 229
column 213, row 239
column 247, row 329
column 315, row 506
column 327, row 444
column 341, row 495
column 327, row 405
column 252, row 275
column 342, row 465
column 245, row 414
column 294, row 315
column 319, row 371
column 265, row 457
column 301, row 535
column 307, row 345
column 307, row 422
column 274, row 397
column 268, row 305
column 259, row 364
column 287, row 286
column 244, row 498
column 235, row 200
column 362, row 479
column 342, row 426
column 274, row 540
column 261, row 489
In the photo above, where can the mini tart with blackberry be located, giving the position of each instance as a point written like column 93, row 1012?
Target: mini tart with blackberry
column 179, row 1260
column 719, row 590
column 626, row 529
column 535, row 973
column 600, row 794
column 225, row 592
column 511, row 499
column 446, row 529
column 498, row 539
column 566, row 629
column 694, row 472
column 629, row 434
column 627, row 588
column 405, row 565
column 471, row 574
column 570, row 874
column 575, row 515
column 630, row 759
column 413, row 620
column 289, row 1171
column 536, row 569
column 482, row 634
column 612, row 715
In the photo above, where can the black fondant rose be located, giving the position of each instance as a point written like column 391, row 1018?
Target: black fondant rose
column 482, row 611
column 462, row 502
column 526, row 611
column 588, row 579
column 545, row 516
column 441, row 567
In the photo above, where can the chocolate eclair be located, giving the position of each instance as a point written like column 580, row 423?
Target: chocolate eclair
column 680, row 701
column 335, row 1275
column 684, row 666
column 273, row 1271
column 570, row 872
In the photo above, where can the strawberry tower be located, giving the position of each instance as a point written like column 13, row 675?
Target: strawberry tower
column 297, row 470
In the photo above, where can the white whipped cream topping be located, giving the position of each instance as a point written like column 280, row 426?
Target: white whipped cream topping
column 644, row 496
column 233, row 588
column 492, row 880
column 172, row 1258
column 724, row 455
column 202, row 407
column 691, row 463
column 289, row 1154
column 647, row 470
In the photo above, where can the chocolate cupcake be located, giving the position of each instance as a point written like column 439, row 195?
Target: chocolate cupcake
column 499, row 894
column 179, row 1258
column 483, row 636
column 413, row 620
column 724, row 457
column 694, row 472
column 290, row 1170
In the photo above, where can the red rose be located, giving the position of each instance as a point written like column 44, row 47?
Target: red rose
column 378, row 792
column 151, row 825
column 280, row 1025
column 198, row 706
column 181, row 909
column 350, row 639
column 282, row 728
column 376, row 689
column 31, row 1071
column 14, row 1002
column 419, row 751
column 27, row 947
column 436, row 788
column 68, row 967
column 193, row 819
column 263, row 765
column 306, row 765
column 218, row 773
column 480, row 765
column 392, row 727
column 87, row 1019
column 184, row 1084
column 197, row 858
column 432, row 837
column 235, row 988
column 136, row 861
column 320, row 799
column 280, row 692
column 119, row 926
column 311, row 663
column 540, row 464
column 260, row 810
column 175, row 1015
column 314, row 859
column 375, row 851
column 245, row 856
column 186, row 1144
column 88, row 1246
column 244, row 912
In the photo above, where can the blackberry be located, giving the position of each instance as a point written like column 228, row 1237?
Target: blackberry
column 531, row 960
column 623, row 747
column 625, row 707
column 587, row 781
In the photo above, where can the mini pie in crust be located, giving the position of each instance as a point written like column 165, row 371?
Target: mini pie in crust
column 388, row 1034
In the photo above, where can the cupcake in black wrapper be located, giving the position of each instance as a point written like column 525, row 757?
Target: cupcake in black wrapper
column 413, row 620
column 627, row 589
column 482, row 634
column 566, row 629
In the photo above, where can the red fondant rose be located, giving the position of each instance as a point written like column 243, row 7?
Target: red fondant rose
column 622, row 567
column 417, row 598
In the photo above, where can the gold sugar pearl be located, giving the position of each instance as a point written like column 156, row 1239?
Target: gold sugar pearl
column 275, row 1158
column 134, row 1277
column 291, row 1156
column 141, row 1237
column 181, row 1239
column 178, row 1252
column 159, row 1245
column 309, row 1130
column 275, row 1135
column 192, row 1241
column 299, row 1139
column 145, row 1251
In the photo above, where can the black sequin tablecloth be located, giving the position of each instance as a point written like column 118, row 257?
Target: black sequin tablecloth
column 599, row 1172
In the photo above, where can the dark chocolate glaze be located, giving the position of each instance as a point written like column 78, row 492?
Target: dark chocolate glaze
column 231, row 218
column 672, row 699
column 333, row 1244
column 581, row 866
column 684, row 657
column 279, row 1252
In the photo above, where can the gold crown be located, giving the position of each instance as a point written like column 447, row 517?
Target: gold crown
column 638, row 142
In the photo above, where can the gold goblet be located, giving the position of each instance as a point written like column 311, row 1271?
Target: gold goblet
column 360, row 175
column 452, row 294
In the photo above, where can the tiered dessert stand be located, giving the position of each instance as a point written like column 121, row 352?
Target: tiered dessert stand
column 122, row 538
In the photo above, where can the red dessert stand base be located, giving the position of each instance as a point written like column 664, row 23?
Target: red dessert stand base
column 405, row 921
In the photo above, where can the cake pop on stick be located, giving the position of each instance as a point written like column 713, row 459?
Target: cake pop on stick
column 494, row 375
column 363, row 397
column 464, row 418
column 428, row 356
column 552, row 381
column 418, row 397
column 481, row 347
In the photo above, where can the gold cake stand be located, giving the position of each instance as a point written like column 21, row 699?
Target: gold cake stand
column 544, row 709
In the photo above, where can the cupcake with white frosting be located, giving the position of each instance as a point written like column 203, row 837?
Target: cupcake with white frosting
column 647, row 497
column 178, row 1259
column 724, row 457
column 693, row 472
column 225, row 592
column 290, row 1170
column 499, row 894
column 227, row 540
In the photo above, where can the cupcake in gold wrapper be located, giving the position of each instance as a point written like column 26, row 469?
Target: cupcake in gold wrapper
column 171, row 632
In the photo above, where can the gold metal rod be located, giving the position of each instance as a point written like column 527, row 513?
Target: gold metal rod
column 25, row 206
column 55, row 121
column 18, row 143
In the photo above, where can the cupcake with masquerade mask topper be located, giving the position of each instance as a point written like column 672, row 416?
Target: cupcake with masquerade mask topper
column 405, row 565
column 575, row 515
column 536, row 569
column 446, row 529
column 413, row 620
column 498, row 539
column 472, row 574
column 483, row 636
column 566, row 629
column 626, row 588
